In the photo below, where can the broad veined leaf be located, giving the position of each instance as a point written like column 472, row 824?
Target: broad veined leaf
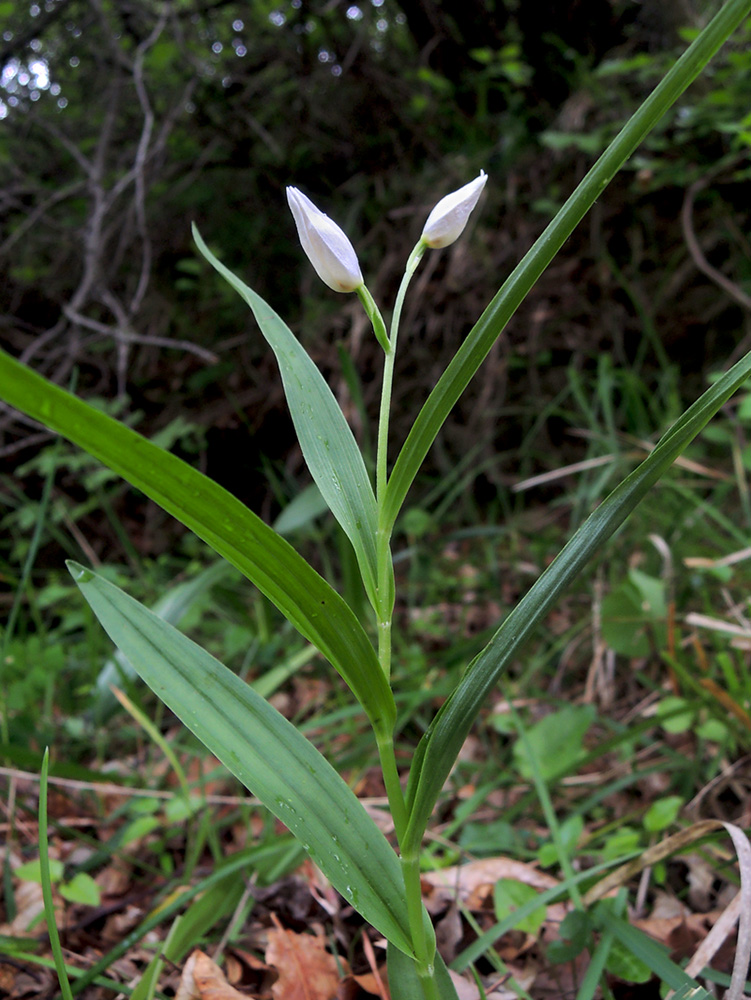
column 404, row 983
column 441, row 744
column 222, row 521
column 170, row 606
column 264, row 751
column 507, row 300
column 327, row 442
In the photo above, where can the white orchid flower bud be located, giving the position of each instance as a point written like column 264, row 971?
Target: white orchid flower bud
column 448, row 219
column 328, row 249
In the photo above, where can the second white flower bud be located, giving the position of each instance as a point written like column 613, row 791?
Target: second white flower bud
column 448, row 219
column 326, row 245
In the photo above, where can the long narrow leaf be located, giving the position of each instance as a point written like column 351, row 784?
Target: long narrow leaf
column 265, row 751
column 223, row 522
column 440, row 746
column 170, row 606
column 334, row 460
column 488, row 328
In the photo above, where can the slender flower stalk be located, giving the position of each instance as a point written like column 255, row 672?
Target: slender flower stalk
column 335, row 261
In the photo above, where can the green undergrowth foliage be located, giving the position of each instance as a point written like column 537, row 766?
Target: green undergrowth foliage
column 416, row 690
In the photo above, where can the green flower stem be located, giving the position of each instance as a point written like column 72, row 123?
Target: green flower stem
column 391, row 781
column 384, row 564
column 388, row 376
column 423, row 944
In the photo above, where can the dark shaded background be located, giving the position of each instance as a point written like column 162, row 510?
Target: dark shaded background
column 124, row 121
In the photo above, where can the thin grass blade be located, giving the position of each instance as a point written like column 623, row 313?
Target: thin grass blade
column 222, row 521
column 650, row 952
column 488, row 328
column 263, row 750
column 442, row 742
column 326, row 439
column 44, row 866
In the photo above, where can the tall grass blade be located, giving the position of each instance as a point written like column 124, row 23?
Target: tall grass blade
column 227, row 525
column 440, row 745
column 488, row 328
column 44, row 868
column 264, row 751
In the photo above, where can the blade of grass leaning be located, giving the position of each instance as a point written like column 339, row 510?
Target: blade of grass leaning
column 156, row 737
column 264, row 751
column 227, row 525
column 325, row 437
column 441, row 744
column 44, row 868
column 648, row 951
column 147, row 984
column 488, row 328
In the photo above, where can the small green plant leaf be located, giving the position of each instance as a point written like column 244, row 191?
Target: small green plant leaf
column 556, row 741
column 662, row 813
column 675, row 715
column 569, row 833
column 575, row 935
column 235, row 532
column 626, row 966
column 81, row 889
column 31, row 871
column 509, row 895
column 264, row 751
column 622, row 842
column 443, row 740
column 327, row 442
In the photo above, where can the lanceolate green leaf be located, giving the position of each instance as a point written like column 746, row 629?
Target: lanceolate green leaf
column 440, row 746
column 223, row 522
column 327, row 442
column 265, row 751
column 488, row 328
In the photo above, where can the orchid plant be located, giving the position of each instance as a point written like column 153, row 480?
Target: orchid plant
column 257, row 744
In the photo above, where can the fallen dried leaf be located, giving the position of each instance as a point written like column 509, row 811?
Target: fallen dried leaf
column 472, row 884
column 202, row 979
column 306, row 970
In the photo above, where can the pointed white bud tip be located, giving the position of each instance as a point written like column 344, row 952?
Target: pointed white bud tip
column 448, row 219
column 327, row 247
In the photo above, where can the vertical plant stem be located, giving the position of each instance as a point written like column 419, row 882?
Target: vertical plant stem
column 391, row 781
column 384, row 564
column 423, row 945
